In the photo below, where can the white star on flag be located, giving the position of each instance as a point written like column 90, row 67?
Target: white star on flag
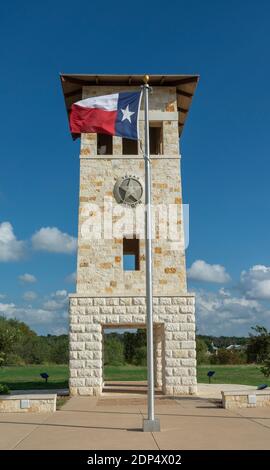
column 127, row 114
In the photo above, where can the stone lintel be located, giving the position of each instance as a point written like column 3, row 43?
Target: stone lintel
column 160, row 116
column 130, row 157
column 110, row 296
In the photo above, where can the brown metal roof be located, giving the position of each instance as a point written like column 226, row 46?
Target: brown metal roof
column 185, row 86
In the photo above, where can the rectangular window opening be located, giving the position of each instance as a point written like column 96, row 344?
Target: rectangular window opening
column 156, row 140
column 104, row 144
column 131, row 254
column 130, row 147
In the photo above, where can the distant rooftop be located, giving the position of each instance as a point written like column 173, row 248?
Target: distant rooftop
column 185, row 87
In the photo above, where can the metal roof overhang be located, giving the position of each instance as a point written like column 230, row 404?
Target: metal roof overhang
column 185, row 87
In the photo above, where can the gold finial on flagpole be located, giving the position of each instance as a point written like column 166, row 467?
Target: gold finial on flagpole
column 146, row 79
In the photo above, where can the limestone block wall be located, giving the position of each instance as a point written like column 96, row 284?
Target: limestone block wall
column 106, row 294
column 100, row 261
column 175, row 343
column 38, row 403
column 162, row 108
column 159, row 359
column 245, row 398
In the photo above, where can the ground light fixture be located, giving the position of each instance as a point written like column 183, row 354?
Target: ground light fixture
column 210, row 374
column 44, row 376
column 262, row 386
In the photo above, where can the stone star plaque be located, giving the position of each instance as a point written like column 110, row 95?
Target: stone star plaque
column 128, row 190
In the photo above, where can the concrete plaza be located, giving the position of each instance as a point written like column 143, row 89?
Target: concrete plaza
column 114, row 421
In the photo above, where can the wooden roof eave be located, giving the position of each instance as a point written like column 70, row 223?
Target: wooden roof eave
column 72, row 86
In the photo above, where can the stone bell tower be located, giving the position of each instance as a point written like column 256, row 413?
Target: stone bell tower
column 110, row 289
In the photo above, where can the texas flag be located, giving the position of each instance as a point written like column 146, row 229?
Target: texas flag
column 115, row 114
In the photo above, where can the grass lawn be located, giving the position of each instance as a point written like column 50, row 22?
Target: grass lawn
column 127, row 372
column 26, row 378
column 239, row 374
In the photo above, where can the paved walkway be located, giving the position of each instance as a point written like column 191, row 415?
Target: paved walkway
column 114, row 421
column 135, row 387
column 214, row 390
column 204, row 390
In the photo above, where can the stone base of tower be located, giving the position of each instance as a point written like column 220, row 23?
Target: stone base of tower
column 174, row 340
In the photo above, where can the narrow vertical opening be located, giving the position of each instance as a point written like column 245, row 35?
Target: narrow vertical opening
column 130, row 147
column 156, row 138
column 104, row 144
column 131, row 254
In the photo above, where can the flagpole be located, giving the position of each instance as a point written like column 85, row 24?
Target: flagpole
column 151, row 423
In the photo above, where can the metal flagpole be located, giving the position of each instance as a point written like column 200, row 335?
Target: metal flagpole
column 151, row 423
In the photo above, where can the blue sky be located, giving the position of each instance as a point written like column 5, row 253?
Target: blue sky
column 225, row 155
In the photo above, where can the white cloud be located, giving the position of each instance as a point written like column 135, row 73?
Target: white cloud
column 51, row 305
column 60, row 293
column 6, row 308
column 51, row 318
column 255, row 282
column 30, row 295
column 202, row 271
column 224, row 293
column 228, row 315
column 53, row 240
column 71, row 278
column 27, row 278
column 261, row 290
column 62, row 330
column 58, row 301
column 31, row 316
column 11, row 249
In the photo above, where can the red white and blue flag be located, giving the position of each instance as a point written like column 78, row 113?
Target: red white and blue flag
column 115, row 114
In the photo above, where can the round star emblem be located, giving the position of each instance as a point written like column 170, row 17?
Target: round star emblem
column 128, row 190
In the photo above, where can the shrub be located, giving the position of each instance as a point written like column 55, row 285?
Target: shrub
column 2, row 359
column 201, row 351
column 14, row 360
column 8, row 337
column 140, row 356
column 258, row 348
column 132, row 342
column 113, row 351
column 265, row 369
column 59, row 350
column 225, row 356
column 4, row 390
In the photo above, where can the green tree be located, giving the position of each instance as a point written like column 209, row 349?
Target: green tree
column 141, row 337
column 129, row 346
column 201, row 351
column 20, row 345
column 132, row 342
column 258, row 348
column 20, row 351
column 265, row 369
column 8, row 337
column 225, row 356
column 140, row 357
column 59, row 350
column 113, row 351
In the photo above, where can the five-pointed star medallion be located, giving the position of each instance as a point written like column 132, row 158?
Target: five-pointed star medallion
column 130, row 190
column 127, row 114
